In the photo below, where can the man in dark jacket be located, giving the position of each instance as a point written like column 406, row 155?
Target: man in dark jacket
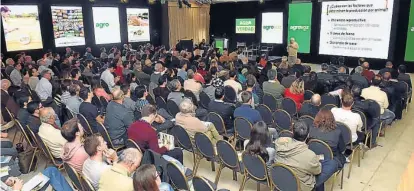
column 225, row 110
column 313, row 108
column 388, row 68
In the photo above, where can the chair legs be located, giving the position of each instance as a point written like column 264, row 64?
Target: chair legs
column 196, row 164
column 235, row 175
column 333, row 181
column 342, row 179
column 218, row 173
column 243, row 183
column 258, row 186
column 213, row 166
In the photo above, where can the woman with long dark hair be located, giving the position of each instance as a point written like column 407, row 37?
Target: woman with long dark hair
column 146, row 178
column 259, row 143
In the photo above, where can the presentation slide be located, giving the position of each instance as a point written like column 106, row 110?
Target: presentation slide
column 106, row 25
column 68, row 26
column 21, row 27
column 300, row 24
column 138, row 25
column 272, row 27
column 356, row 28
column 246, row 26
column 409, row 49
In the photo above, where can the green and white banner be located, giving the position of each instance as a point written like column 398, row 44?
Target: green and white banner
column 409, row 49
column 246, row 26
column 299, row 25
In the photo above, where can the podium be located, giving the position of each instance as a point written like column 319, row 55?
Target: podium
column 221, row 43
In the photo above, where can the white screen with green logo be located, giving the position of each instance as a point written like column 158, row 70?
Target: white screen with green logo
column 272, row 28
column 106, row 25
column 246, row 26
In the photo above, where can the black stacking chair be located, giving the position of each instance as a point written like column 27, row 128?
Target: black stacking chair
column 205, row 149
column 218, row 122
column 228, row 158
column 67, row 114
column 308, row 120
column 368, row 132
column 95, row 101
column 105, row 87
column 328, row 106
column 161, row 103
column 30, row 142
column 308, row 94
column 329, row 99
column 204, row 100
column 286, row 133
column 230, row 94
column 56, row 161
column 184, row 141
column 74, row 177
column 347, row 136
column 85, row 124
column 290, row 106
column 242, row 128
column 178, row 179
column 172, row 108
column 270, row 101
column 203, row 184
column 104, row 133
column 304, row 110
column 283, row 178
column 132, row 144
column 266, row 114
column 282, row 119
column 255, row 169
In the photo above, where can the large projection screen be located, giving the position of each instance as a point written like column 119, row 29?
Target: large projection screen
column 138, row 25
column 356, row 28
column 106, row 25
column 21, row 27
column 68, row 26
column 272, row 27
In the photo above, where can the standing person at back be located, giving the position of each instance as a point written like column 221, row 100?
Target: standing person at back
column 292, row 50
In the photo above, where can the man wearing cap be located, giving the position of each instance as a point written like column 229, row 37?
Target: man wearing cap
column 44, row 87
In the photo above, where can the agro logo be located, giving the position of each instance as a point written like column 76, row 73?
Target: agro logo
column 102, row 25
column 271, row 27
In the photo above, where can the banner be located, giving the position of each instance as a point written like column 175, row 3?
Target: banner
column 409, row 49
column 106, row 25
column 246, row 26
column 272, row 27
column 68, row 26
column 300, row 24
column 359, row 28
column 138, row 25
column 21, row 27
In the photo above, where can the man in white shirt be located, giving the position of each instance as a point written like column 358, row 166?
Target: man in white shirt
column 108, row 77
column 16, row 76
column 349, row 118
column 93, row 167
column 232, row 82
column 51, row 136
column 44, row 87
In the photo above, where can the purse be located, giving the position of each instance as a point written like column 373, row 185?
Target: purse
column 27, row 160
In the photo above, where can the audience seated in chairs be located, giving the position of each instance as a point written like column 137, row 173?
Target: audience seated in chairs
column 250, row 84
column 176, row 95
column 273, row 86
column 23, row 114
column 192, row 84
column 367, row 73
column 95, row 165
column 146, row 137
column 118, row 177
column 311, row 108
column 162, row 90
column 296, row 92
column 225, row 110
column 74, row 100
column 311, row 170
column 109, row 78
column 117, row 119
column 33, row 119
column 50, row 133
column 146, row 177
column 245, row 110
column 288, row 80
column 209, row 88
column 128, row 102
column 260, row 143
column 232, row 82
column 186, row 119
column 89, row 110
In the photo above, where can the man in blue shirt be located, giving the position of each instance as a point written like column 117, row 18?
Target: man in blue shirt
column 245, row 110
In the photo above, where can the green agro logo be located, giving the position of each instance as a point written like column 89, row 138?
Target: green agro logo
column 271, row 27
column 102, row 25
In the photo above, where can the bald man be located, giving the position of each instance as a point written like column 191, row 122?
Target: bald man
column 311, row 108
column 118, row 118
column 292, row 50
column 50, row 135
column 367, row 73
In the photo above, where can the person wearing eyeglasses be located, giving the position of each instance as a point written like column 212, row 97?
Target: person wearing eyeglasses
column 146, row 177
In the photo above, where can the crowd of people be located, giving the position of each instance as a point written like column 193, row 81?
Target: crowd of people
column 122, row 91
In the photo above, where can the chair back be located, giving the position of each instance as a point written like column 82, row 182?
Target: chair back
column 308, row 94
column 320, row 148
column 177, row 178
column 104, row 102
column 328, row 106
column 105, row 87
column 204, row 145
column 286, row 133
column 26, row 134
column 230, row 94
column 270, row 101
column 104, row 133
column 289, row 105
column 46, row 151
column 73, row 176
column 67, row 114
column 201, row 184
column 284, row 178
column 161, row 102
column 86, row 184
column 227, row 154
column 363, row 118
column 151, row 100
column 204, row 100
column 132, row 144
column 218, row 122
column 172, row 108
column 85, row 124
column 374, row 107
column 242, row 128
column 266, row 113
column 345, row 132
column 282, row 119
column 308, row 120
column 329, row 99
column 183, row 138
column 255, row 166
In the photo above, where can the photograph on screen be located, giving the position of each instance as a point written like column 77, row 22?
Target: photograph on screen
column 106, row 25
column 272, row 27
column 138, row 25
column 21, row 27
column 356, row 28
column 246, row 26
column 68, row 26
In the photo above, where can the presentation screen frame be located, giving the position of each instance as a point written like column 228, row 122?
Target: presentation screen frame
column 272, row 26
column 77, row 24
column 138, row 27
column 105, row 35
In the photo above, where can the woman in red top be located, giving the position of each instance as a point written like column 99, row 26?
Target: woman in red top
column 296, row 92
column 119, row 69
